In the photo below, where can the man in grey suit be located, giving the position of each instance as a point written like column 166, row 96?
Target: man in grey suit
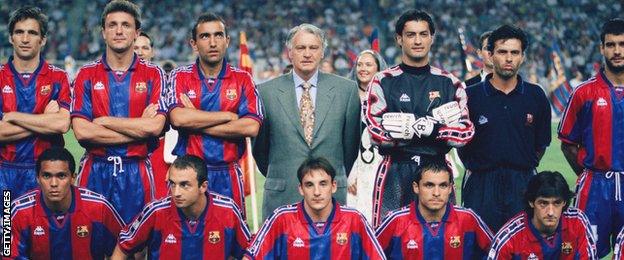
column 306, row 113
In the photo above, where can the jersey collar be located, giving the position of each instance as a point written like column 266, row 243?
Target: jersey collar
column 40, row 70
column 44, row 211
column 334, row 216
column 179, row 216
column 132, row 67
column 537, row 236
column 449, row 215
column 489, row 89
column 224, row 73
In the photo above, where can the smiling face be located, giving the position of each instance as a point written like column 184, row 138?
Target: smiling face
column 305, row 53
column 366, row 67
column 27, row 39
column 507, row 57
column 613, row 52
column 119, row 32
column 415, row 42
column 55, row 180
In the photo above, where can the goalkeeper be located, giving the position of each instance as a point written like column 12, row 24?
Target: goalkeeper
column 415, row 114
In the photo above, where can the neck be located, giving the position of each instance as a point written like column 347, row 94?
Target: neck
column 25, row 66
column 304, row 76
column 487, row 70
column 210, row 71
column 59, row 206
column 615, row 78
column 415, row 62
column 504, row 85
column 119, row 61
column 195, row 210
column 429, row 215
column 362, row 92
column 318, row 215
column 544, row 231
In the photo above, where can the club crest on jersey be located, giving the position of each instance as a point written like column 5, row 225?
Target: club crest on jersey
column 341, row 238
column 191, row 94
column 412, row 244
column 482, row 120
column 405, row 98
column 298, row 242
column 529, row 119
column 532, row 256
column 214, row 237
column 566, row 248
column 98, row 86
column 39, row 231
column 82, row 231
column 601, row 102
column 171, row 239
column 433, row 95
column 455, row 242
column 7, row 90
column 230, row 94
column 45, row 90
column 140, row 87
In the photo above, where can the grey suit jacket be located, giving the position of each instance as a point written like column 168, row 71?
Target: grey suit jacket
column 280, row 146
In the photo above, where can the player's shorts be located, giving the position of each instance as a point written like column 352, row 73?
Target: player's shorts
column 495, row 195
column 227, row 180
column 160, row 168
column 127, row 183
column 17, row 177
column 599, row 195
column 393, row 184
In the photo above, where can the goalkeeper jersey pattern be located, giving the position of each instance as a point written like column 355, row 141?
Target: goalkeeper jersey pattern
column 416, row 90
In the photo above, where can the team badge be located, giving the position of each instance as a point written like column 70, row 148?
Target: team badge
column 45, row 90
column 140, row 87
column 98, row 86
column 433, row 95
column 7, row 90
column 529, row 119
column 412, row 244
column 39, row 231
column 191, row 94
column 171, row 239
column 455, row 242
column 298, row 242
column 82, row 231
column 341, row 238
column 566, row 248
column 230, row 94
column 483, row 120
column 214, row 237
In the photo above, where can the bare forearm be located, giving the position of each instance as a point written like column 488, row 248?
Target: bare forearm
column 197, row 119
column 570, row 151
column 10, row 132
column 45, row 124
column 89, row 132
column 118, row 254
column 240, row 128
column 137, row 128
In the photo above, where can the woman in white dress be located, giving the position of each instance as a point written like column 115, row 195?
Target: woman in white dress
column 361, row 178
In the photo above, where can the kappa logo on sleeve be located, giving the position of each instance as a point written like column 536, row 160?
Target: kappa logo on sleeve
column 7, row 90
column 98, row 86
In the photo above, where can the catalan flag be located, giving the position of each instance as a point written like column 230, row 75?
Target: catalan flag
column 374, row 40
column 560, row 95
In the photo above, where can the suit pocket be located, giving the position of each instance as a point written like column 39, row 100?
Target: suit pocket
column 275, row 184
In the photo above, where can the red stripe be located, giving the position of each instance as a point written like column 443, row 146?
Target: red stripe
column 602, row 132
column 85, row 171
column 236, row 177
column 584, row 184
column 145, row 179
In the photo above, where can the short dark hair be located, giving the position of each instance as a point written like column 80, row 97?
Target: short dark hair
column 434, row 166
column 207, row 17
column 547, row 184
column 198, row 165
column 484, row 37
column 506, row 32
column 122, row 6
column 29, row 12
column 56, row 153
column 413, row 15
column 315, row 163
column 614, row 26
column 151, row 43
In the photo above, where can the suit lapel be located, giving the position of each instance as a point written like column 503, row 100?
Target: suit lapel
column 288, row 100
column 324, row 99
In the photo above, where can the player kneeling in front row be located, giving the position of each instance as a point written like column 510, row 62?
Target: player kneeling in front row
column 60, row 221
column 190, row 224
column 433, row 228
column 318, row 227
column 547, row 228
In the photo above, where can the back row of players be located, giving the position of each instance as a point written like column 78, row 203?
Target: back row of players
column 120, row 104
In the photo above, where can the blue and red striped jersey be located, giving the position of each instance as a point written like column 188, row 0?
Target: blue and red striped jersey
column 618, row 251
column 519, row 239
column 461, row 234
column 220, row 231
column 290, row 234
column 31, row 94
column 593, row 120
column 87, row 231
column 233, row 90
column 100, row 91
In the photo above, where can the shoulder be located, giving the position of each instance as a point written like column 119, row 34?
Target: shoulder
column 586, row 88
column 278, row 81
column 24, row 203
column 435, row 71
column 335, row 79
column 240, row 74
column 181, row 72
column 225, row 203
column 394, row 216
column 55, row 71
column 283, row 212
column 93, row 198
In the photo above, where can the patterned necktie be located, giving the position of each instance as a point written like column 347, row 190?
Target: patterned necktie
column 306, row 113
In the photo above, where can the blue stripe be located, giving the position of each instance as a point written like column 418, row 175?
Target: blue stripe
column 266, row 227
column 617, row 121
column 279, row 250
column 587, row 134
column 24, row 246
column 60, row 239
column 357, row 249
column 470, row 247
column 119, row 103
column 145, row 214
column 153, row 251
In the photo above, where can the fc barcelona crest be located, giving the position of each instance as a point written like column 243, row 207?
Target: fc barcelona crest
column 341, row 238
column 140, row 87
column 566, row 248
column 82, row 231
column 214, row 237
column 433, row 95
column 455, row 242
column 230, row 94
column 45, row 90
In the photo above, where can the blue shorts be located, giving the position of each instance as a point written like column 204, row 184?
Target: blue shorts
column 495, row 195
column 126, row 183
column 17, row 177
column 227, row 180
column 599, row 195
